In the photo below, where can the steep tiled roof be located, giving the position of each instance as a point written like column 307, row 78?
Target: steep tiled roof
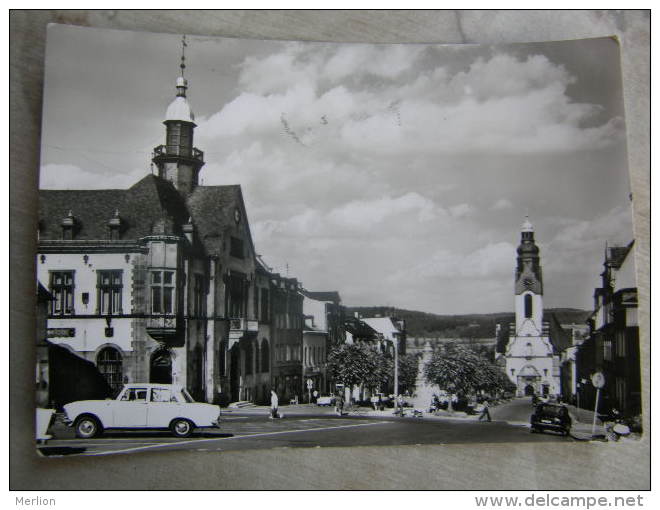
column 149, row 202
column 332, row 295
column 91, row 208
column 383, row 325
column 617, row 254
column 212, row 209
column 559, row 337
column 359, row 328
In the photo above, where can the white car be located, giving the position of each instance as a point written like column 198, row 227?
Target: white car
column 325, row 400
column 142, row 406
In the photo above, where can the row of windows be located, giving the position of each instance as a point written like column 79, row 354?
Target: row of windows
column 618, row 345
column 314, row 355
column 288, row 353
column 109, row 292
column 259, row 358
column 288, row 321
column 108, row 286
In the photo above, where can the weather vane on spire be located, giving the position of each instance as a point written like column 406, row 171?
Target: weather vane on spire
column 183, row 54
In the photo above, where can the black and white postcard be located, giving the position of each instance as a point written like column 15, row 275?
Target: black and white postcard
column 249, row 244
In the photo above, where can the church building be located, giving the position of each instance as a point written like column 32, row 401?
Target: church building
column 531, row 359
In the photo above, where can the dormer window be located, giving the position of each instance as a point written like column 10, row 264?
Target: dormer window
column 68, row 223
column 114, row 225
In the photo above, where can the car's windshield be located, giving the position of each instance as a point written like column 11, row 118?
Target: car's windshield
column 553, row 410
column 187, row 396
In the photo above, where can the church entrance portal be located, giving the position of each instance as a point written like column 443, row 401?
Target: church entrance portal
column 529, row 390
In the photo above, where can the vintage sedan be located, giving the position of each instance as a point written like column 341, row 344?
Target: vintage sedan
column 142, row 406
column 325, row 400
column 553, row 417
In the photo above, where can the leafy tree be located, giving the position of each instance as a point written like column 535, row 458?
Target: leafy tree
column 382, row 373
column 408, row 368
column 462, row 372
column 352, row 365
column 454, row 369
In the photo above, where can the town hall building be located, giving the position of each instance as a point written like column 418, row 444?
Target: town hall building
column 157, row 282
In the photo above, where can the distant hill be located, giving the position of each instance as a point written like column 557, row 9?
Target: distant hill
column 469, row 325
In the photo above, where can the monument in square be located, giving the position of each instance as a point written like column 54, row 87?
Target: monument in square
column 424, row 391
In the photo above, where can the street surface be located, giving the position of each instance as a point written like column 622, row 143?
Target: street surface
column 311, row 426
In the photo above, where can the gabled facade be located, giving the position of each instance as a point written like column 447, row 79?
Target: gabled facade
column 612, row 345
column 323, row 329
column 156, row 282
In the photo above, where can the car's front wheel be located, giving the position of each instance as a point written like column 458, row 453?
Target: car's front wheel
column 87, row 427
column 181, row 427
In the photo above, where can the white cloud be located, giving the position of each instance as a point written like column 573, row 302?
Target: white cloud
column 502, row 204
column 491, row 261
column 502, row 105
column 461, row 210
column 63, row 176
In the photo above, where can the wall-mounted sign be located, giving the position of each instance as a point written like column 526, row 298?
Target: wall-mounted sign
column 61, row 332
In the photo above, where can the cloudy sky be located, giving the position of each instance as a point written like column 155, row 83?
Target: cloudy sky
column 396, row 174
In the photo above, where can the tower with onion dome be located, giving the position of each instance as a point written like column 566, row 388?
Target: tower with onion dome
column 178, row 160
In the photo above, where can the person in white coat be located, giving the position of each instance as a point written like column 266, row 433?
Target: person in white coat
column 274, row 402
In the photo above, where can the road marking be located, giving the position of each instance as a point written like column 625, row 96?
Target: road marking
column 160, row 445
column 74, row 444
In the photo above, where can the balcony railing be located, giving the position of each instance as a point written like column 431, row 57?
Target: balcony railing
column 165, row 329
column 240, row 328
column 243, row 324
column 177, row 150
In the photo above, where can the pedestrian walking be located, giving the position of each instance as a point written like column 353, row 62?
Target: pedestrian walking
column 485, row 413
column 339, row 405
column 274, row 402
column 316, row 396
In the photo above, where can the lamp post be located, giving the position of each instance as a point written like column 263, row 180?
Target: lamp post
column 396, row 367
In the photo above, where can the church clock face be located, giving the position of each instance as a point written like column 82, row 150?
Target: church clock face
column 528, row 283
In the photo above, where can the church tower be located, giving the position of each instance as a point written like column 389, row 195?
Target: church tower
column 178, row 160
column 528, row 284
column 531, row 363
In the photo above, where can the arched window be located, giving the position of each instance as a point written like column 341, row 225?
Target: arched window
column 528, row 306
column 109, row 363
column 265, row 356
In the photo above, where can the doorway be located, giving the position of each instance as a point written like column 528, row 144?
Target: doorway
column 160, row 370
column 234, row 373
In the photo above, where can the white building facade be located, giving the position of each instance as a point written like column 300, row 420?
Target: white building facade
column 531, row 361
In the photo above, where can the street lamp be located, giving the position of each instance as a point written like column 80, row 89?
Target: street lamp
column 396, row 367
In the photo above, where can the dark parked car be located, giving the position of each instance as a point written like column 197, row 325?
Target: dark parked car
column 551, row 417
